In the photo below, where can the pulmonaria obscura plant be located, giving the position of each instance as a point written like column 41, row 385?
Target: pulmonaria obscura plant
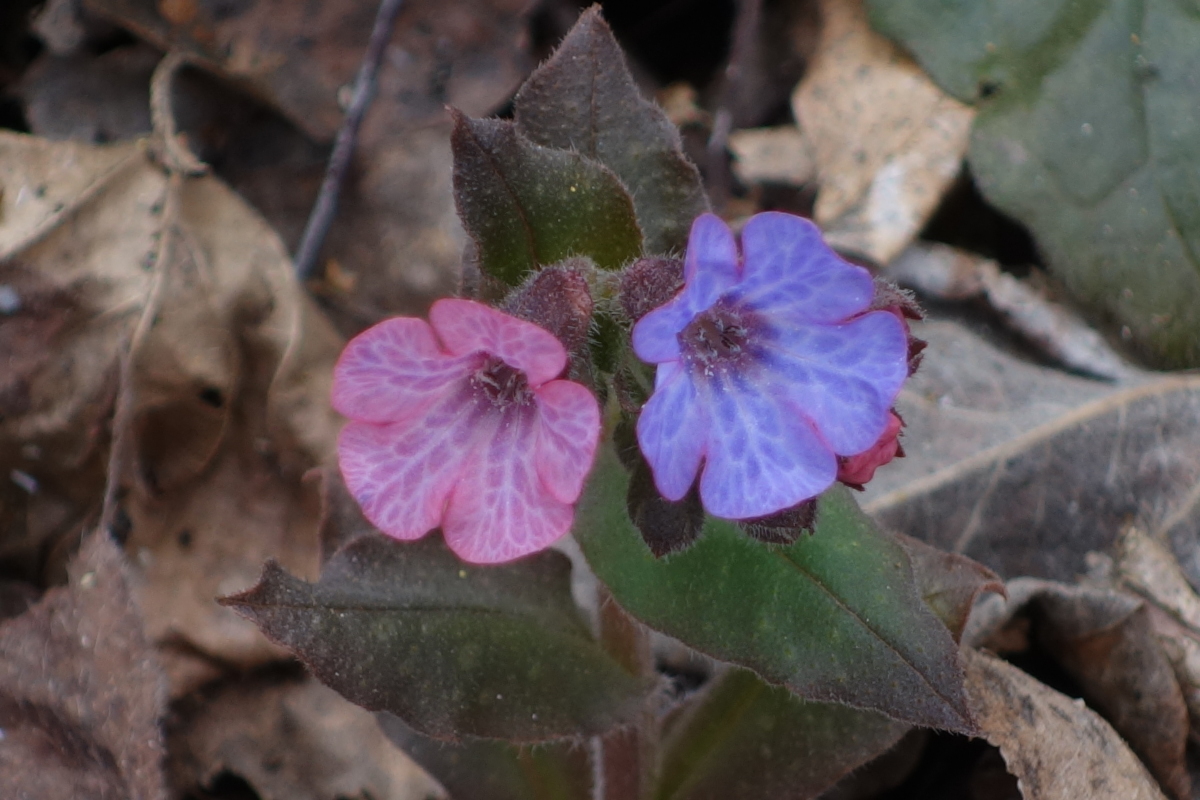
column 621, row 371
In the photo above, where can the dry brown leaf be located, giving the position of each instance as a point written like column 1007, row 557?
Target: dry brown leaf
column 81, row 693
column 1028, row 469
column 289, row 739
column 1058, row 748
column 1147, row 567
column 231, row 377
column 397, row 234
column 947, row 273
column 300, row 55
column 771, row 155
column 1105, row 640
column 887, row 142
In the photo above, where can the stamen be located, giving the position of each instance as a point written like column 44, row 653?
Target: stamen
column 716, row 338
column 501, row 384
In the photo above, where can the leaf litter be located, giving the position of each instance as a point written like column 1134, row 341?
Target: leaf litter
column 228, row 396
column 81, row 691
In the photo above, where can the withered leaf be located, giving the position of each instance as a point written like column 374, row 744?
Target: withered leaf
column 1027, row 469
column 299, row 55
column 528, row 206
column 230, row 373
column 453, row 649
column 1104, row 639
column 584, row 99
column 396, row 239
column 289, row 738
column 1054, row 745
column 886, row 140
column 81, row 693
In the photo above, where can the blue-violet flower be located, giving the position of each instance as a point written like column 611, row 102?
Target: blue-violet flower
column 769, row 367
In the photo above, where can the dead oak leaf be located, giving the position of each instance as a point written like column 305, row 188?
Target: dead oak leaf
column 886, row 140
column 1027, row 469
column 1057, row 748
column 1106, row 641
column 289, row 739
column 81, row 692
column 230, row 361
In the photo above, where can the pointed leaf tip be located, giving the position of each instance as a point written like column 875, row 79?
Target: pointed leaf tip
column 527, row 206
column 453, row 649
column 585, row 100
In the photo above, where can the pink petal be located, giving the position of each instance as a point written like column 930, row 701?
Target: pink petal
column 500, row 509
column 402, row 474
column 465, row 327
column 569, row 430
column 860, row 469
column 393, row 372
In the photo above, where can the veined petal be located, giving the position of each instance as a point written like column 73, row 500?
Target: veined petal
column 843, row 377
column 672, row 431
column 393, row 372
column 402, row 474
column 465, row 327
column 763, row 456
column 710, row 267
column 568, row 430
column 656, row 335
column 500, row 510
column 790, row 271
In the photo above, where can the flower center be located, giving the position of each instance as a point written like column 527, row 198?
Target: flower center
column 500, row 384
column 716, row 337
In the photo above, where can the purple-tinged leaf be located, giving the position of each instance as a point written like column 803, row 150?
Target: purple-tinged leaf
column 452, row 648
column 526, row 206
column 584, row 99
column 949, row 582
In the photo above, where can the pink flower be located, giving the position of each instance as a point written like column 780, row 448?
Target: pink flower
column 857, row 470
column 460, row 423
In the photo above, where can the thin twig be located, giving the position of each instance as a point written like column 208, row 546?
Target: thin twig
column 325, row 208
column 745, row 30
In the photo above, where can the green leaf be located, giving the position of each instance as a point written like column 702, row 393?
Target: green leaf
column 745, row 738
column 1089, row 133
column 835, row 617
column 742, row 737
column 584, row 99
column 451, row 648
column 484, row 768
column 527, row 206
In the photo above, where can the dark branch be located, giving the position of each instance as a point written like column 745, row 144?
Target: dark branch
column 325, row 208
